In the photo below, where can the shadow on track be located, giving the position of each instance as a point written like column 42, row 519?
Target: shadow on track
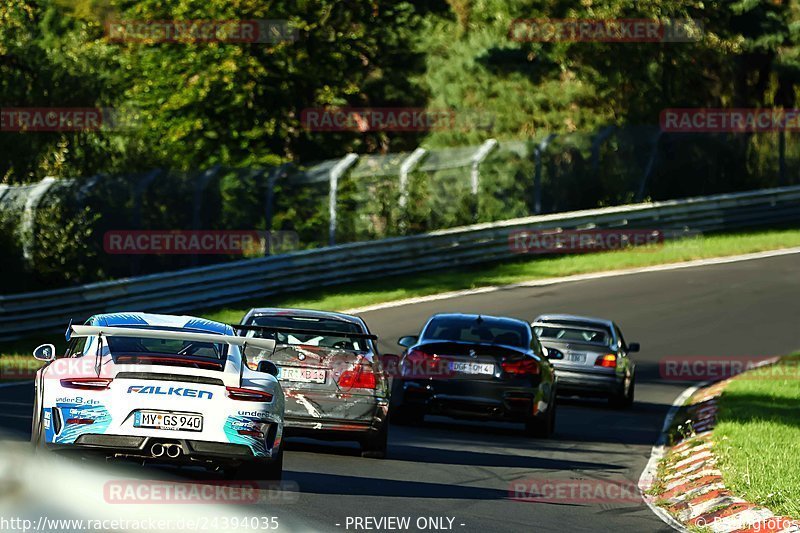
column 335, row 484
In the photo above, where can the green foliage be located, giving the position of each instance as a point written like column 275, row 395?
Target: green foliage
column 63, row 248
column 192, row 106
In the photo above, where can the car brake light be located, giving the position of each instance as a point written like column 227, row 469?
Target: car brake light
column 608, row 360
column 361, row 377
column 86, row 383
column 523, row 366
column 248, row 395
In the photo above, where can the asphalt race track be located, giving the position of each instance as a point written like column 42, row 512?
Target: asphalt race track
column 463, row 470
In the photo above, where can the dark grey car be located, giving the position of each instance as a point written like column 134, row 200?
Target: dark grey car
column 590, row 355
column 330, row 372
column 477, row 367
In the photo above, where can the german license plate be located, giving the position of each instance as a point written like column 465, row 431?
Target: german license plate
column 301, row 374
column 463, row 367
column 173, row 421
column 576, row 357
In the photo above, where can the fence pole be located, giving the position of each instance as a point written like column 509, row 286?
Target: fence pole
column 537, row 178
column 200, row 184
column 782, row 158
column 138, row 194
column 336, row 172
column 408, row 164
column 276, row 173
column 651, row 162
column 86, row 188
column 28, row 223
column 602, row 136
column 475, row 175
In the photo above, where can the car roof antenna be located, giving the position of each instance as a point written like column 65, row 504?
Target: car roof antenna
column 479, row 320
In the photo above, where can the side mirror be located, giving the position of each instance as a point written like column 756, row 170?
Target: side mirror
column 267, row 367
column 408, row 341
column 633, row 347
column 45, row 352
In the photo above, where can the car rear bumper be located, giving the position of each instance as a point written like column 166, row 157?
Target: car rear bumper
column 336, row 428
column 475, row 400
column 586, row 383
column 138, row 447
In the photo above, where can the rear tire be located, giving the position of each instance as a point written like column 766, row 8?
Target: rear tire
column 542, row 428
column 257, row 470
column 273, row 470
column 622, row 399
column 374, row 444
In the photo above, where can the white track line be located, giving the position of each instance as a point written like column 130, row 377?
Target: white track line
column 657, row 453
column 578, row 277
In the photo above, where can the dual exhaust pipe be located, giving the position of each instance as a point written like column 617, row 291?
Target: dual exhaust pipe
column 173, row 451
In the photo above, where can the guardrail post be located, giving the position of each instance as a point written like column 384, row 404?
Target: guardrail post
column 336, row 172
column 475, row 175
column 28, row 223
column 537, row 178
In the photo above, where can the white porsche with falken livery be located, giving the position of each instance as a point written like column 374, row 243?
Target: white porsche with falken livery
column 162, row 388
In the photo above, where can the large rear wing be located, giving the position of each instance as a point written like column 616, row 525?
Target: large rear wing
column 149, row 333
column 303, row 331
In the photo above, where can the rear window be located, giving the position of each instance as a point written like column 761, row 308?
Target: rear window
column 478, row 330
column 172, row 347
column 342, row 342
column 574, row 334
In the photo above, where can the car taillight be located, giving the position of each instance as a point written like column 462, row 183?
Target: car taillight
column 608, row 360
column 248, row 395
column 361, row 377
column 523, row 366
column 86, row 383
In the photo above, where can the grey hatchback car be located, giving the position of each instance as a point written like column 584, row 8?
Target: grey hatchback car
column 590, row 356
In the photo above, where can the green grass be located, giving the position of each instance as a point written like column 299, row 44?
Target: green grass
column 353, row 295
column 758, row 437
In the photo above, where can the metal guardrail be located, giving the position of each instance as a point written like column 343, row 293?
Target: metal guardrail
column 185, row 290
